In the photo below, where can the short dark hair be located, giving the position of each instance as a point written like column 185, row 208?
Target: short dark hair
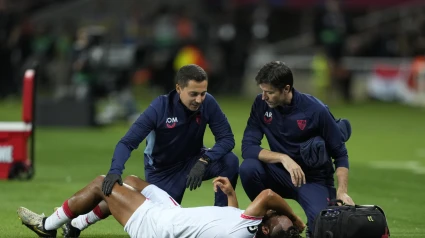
column 292, row 232
column 190, row 72
column 275, row 73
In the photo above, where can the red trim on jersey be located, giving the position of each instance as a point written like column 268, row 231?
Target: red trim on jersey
column 175, row 203
column 250, row 217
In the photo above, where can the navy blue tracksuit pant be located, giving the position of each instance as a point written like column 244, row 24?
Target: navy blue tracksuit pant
column 257, row 176
column 173, row 179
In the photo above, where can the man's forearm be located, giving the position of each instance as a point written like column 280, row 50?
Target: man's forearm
column 342, row 177
column 121, row 155
column 232, row 200
column 271, row 157
column 277, row 203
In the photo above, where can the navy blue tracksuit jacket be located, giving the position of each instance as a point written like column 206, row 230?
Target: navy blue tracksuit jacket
column 286, row 129
column 174, row 142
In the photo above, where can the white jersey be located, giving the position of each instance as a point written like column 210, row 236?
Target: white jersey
column 157, row 220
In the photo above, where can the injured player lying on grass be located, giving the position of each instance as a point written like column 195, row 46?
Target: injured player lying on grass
column 147, row 211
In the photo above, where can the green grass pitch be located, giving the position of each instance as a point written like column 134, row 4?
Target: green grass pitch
column 387, row 156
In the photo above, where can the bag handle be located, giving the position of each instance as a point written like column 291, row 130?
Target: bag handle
column 334, row 202
column 371, row 206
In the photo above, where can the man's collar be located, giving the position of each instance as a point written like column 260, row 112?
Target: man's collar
column 176, row 96
column 295, row 97
column 286, row 109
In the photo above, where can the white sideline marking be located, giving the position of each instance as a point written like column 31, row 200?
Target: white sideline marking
column 413, row 166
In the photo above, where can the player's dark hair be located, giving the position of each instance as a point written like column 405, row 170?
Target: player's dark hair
column 292, row 232
column 275, row 73
column 190, row 72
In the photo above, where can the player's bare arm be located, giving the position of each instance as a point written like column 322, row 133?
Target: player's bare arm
column 269, row 200
column 339, row 153
column 224, row 184
column 297, row 174
column 342, row 191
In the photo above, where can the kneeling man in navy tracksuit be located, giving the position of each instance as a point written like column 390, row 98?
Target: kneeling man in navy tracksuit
column 175, row 157
column 289, row 119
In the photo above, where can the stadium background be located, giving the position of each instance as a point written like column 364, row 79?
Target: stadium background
column 231, row 39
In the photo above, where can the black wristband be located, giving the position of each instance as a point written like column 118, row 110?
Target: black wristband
column 206, row 158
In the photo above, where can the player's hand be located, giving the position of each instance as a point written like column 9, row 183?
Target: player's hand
column 109, row 181
column 299, row 224
column 297, row 174
column 345, row 198
column 224, row 184
column 194, row 179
